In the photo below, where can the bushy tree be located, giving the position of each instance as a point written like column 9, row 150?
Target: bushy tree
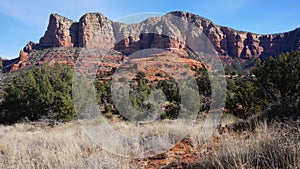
column 1, row 64
column 171, row 89
column 275, row 84
column 244, row 97
column 84, row 98
column 41, row 92
column 280, row 80
column 140, row 92
column 103, row 92
column 172, row 93
column 203, row 82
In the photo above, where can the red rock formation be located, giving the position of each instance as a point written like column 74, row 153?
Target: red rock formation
column 23, row 57
column 96, row 31
column 60, row 32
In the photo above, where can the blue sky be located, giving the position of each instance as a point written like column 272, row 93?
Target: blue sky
column 25, row 20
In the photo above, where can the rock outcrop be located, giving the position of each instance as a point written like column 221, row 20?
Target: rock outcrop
column 94, row 30
column 60, row 32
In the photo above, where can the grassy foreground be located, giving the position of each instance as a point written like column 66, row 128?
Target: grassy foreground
column 66, row 146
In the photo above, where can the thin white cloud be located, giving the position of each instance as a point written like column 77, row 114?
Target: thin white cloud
column 138, row 17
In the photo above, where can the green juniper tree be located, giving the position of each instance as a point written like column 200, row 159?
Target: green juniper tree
column 41, row 92
column 280, row 80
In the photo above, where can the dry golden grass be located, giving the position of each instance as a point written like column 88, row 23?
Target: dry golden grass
column 267, row 147
column 67, row 146
column 32, row 146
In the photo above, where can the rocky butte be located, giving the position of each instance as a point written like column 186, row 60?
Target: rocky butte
column 64, row 37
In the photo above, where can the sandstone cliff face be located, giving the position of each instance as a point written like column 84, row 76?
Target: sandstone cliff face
column 94, row 30
column 60, row 32
column 23, row 58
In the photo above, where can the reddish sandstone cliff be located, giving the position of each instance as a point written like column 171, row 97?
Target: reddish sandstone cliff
column 94, row 30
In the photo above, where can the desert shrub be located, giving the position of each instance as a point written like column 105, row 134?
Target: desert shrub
column 103, row 92
column 1, row 66
column 244, row 97
column 279, row 78
column 140, row 92
column 41, row 92
column 141, row 89
column 274, row 84
column 203, row 81
column 84, row 98
column 171, row 91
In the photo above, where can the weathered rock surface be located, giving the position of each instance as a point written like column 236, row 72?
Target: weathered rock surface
column 96, row 31
column 60, row 32
column 174, row 30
